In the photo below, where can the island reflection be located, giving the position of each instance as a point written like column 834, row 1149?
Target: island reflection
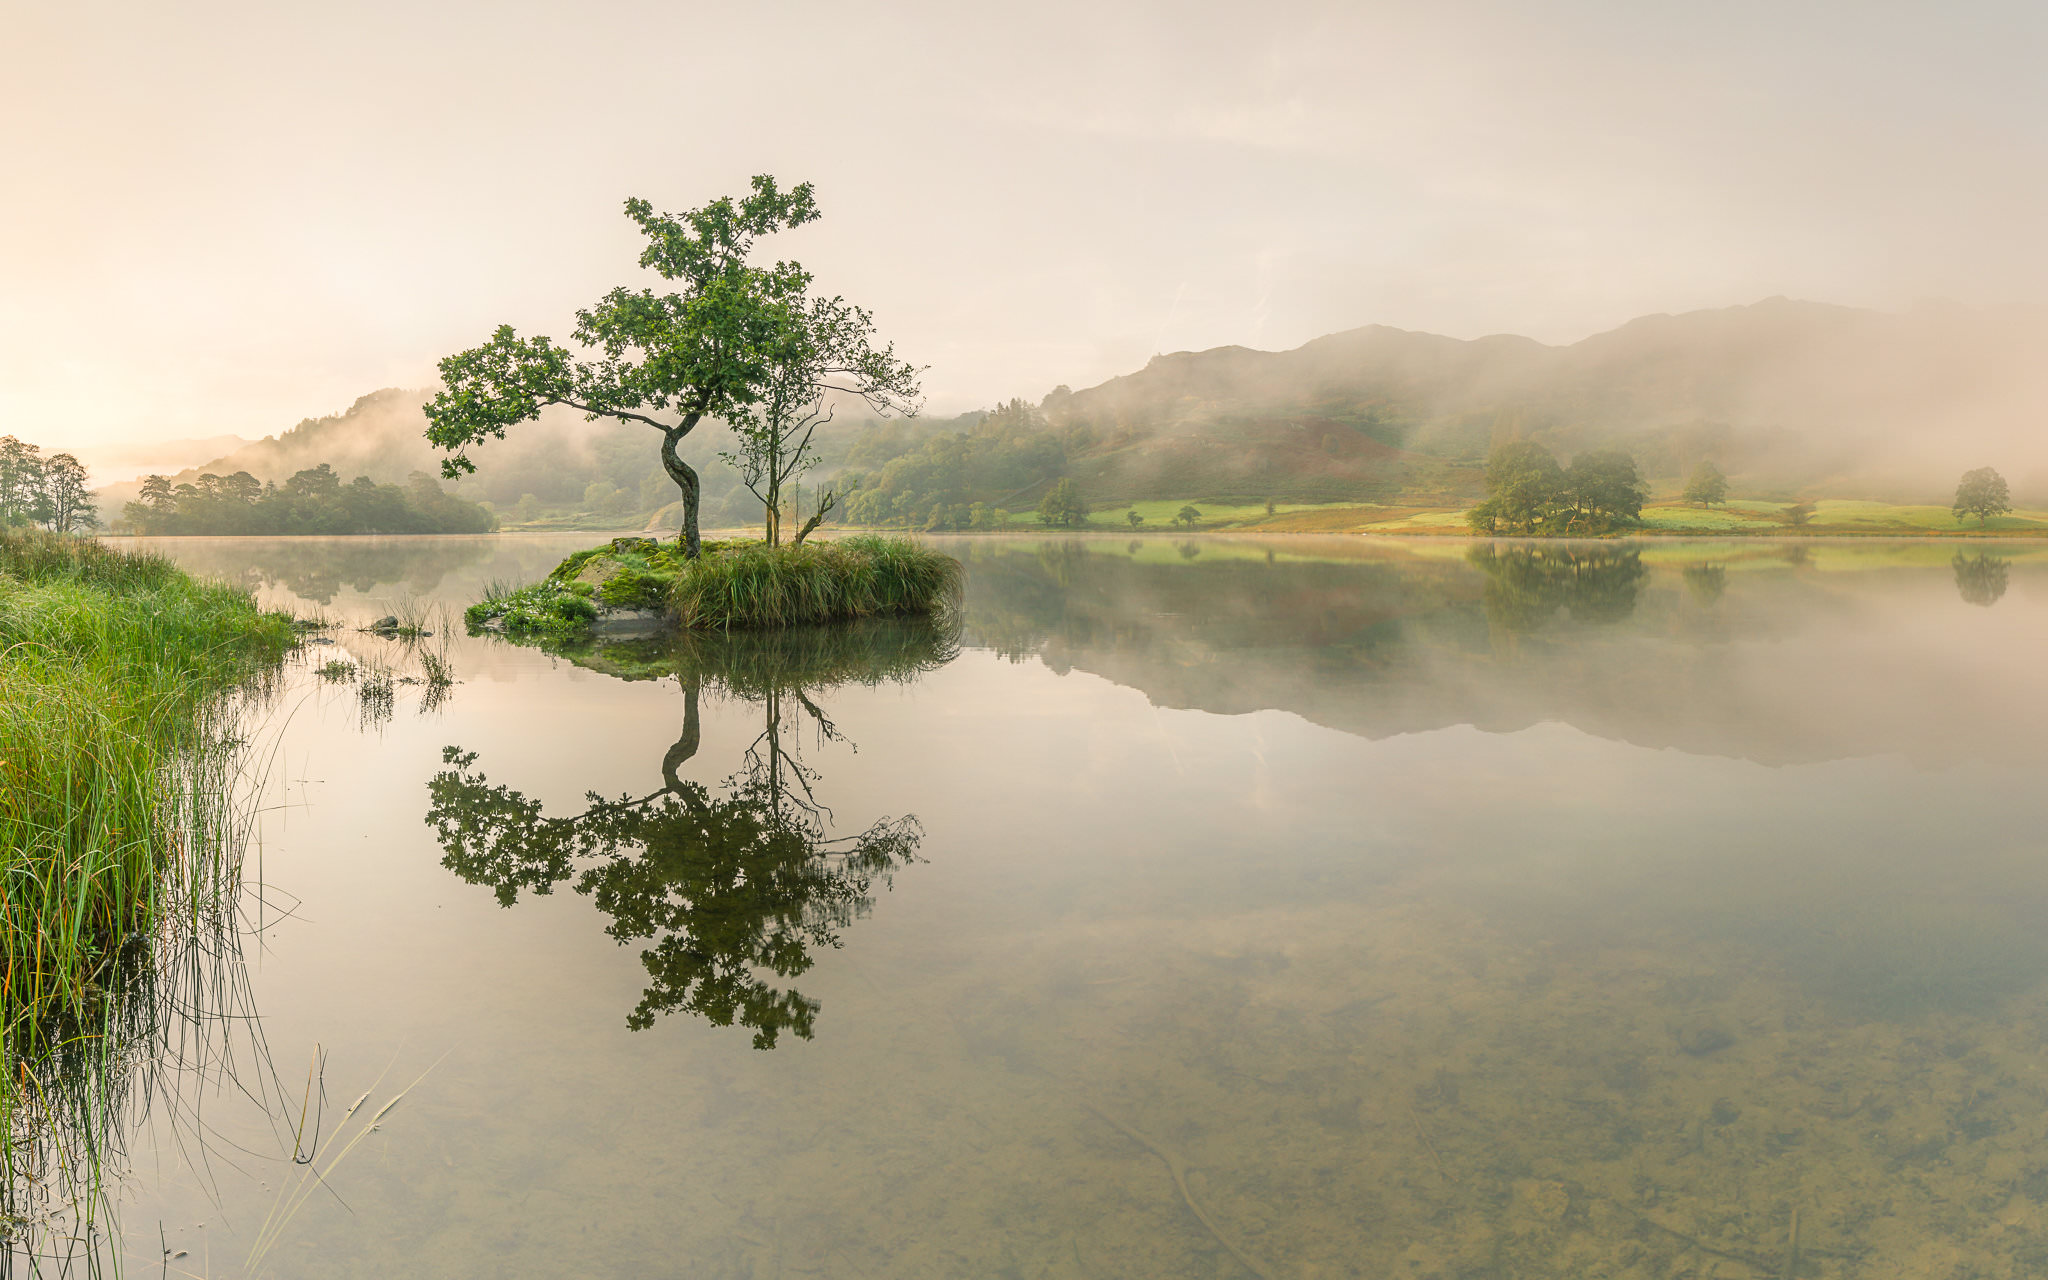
column 733, row 887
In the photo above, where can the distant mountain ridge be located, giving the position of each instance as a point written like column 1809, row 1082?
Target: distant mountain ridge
column 1786, row 395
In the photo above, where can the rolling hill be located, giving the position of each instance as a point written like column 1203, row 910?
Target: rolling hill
column 1788, row 397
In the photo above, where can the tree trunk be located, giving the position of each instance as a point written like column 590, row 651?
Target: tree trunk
column 693, row 734
column 686, row 480
column 825, row 506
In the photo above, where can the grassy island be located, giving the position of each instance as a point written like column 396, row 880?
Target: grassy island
column 734, row 584
column 113, row 675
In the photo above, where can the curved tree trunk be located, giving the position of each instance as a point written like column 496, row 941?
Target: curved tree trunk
column 686, row 480
column 686, row 745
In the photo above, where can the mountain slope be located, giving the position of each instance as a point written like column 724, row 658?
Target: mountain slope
column 1788, row 397
column 1791, row 393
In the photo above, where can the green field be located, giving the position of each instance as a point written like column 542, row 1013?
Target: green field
column 1737, row 517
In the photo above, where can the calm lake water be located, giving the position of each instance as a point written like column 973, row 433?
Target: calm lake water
column 1291, row 908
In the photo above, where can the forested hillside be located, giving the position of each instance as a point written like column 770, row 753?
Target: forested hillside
column 1788, row 398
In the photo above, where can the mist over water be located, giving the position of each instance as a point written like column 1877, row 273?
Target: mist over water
column 1294, row 908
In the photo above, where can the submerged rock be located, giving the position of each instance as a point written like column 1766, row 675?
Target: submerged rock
column 1702, row 1038
column 630, row 622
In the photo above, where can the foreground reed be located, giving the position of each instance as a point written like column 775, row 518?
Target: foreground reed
column 114, row 741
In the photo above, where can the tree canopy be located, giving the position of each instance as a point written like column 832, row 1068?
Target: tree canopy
column 52, row 492
column 818, row 342
column 718, row 346
column 1982, row 493
column 1062, row 506
column 1529, row 493
column 1707, row 485
column 1602, row 487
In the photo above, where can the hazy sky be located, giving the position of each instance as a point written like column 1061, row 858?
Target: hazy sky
column 223, row 217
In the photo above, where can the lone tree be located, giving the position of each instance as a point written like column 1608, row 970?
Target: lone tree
column 1707, row 486
column 1983, row 494
column 1187, row 516
column 711, row 349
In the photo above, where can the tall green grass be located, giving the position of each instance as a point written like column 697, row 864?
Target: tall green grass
column 860, row 577
column 116, row 750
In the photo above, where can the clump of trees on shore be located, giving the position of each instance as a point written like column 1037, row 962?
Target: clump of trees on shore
column 1528, row 493
column 49, row 493
column 312, row 501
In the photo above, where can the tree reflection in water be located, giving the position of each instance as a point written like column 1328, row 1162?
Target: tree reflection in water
column 736, row 887
column 1980, row 579
column 1526, row 586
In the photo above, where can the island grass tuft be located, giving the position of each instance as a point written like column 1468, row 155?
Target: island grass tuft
column 861, row 577
column 738, row 584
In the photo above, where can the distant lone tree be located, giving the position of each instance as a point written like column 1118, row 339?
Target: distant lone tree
column 1707, row 486
column 1982, row 493
column 731, row 333
column 1062, row 507
column 1133, row 516
column 1187, row 516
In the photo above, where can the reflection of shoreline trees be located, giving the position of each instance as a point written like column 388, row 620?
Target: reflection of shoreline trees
column 1706, row 583
column 734, row 888
column 317, row 569
column 1526, row 586
column 1981, row 578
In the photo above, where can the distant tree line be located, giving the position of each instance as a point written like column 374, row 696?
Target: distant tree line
column 49, row 492
column 312, row 501
column 1528, row 493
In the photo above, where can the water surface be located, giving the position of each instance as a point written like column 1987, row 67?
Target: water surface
column 1219, row 907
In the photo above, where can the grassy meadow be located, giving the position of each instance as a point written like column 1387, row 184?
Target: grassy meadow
column 1738, row 517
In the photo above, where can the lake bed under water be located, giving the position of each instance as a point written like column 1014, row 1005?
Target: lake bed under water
column 1212, row 907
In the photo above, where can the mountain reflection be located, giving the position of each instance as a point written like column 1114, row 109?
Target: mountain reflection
column 732, row 887
column 1752, row 649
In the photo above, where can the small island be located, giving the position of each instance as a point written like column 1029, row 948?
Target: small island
column 638, row 585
